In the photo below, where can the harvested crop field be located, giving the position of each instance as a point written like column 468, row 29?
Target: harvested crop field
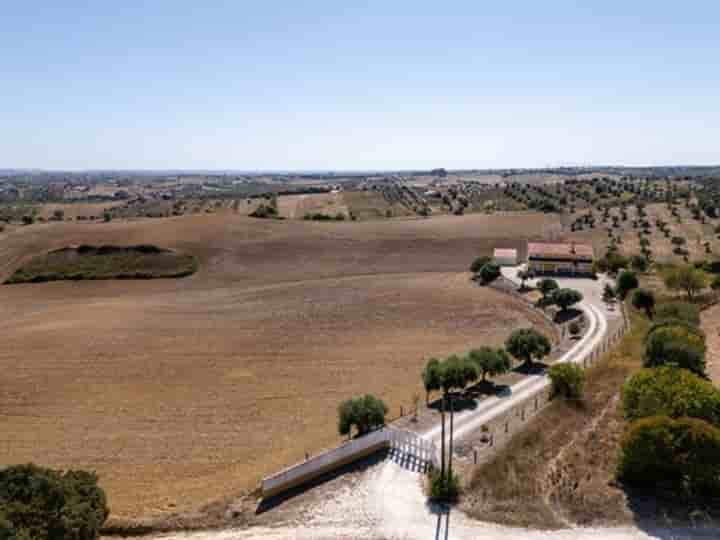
column 181, row 392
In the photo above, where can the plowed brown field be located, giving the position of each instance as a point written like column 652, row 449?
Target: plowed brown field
column 180, row 392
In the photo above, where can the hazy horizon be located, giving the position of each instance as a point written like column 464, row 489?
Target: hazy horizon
column 281, row 86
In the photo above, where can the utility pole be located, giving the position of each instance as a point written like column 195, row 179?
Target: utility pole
column 450, row 457
column 442, row 443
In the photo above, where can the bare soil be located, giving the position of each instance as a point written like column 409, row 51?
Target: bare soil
column 181, row 393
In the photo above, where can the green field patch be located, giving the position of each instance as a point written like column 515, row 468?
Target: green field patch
column 105, row 262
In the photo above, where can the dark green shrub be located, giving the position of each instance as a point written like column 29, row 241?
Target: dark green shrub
column 567, row 380
column 644, row 299
column 489, row 273
column 675, row 343
column 683, row 454
column 444, row 489
column 42, row 504
column 478, row 263
column 626, row 282
column 670, row 391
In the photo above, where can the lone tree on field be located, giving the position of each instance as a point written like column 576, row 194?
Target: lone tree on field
column 565, row 298
column 627, row 281
column 527, row 344
column 365, row 413
column 645, row 300
column 686, row 278
column 489, row 361
column 432, row 377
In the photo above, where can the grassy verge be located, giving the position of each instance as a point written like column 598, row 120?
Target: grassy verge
column 105, row 262
column 560, row 467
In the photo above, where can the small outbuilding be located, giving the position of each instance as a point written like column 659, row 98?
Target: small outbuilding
column 505, row 256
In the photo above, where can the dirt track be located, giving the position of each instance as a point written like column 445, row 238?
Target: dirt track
column 181, row 391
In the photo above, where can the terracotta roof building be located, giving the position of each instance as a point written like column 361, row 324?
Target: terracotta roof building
column 560, row 258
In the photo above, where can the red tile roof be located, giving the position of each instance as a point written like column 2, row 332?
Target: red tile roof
column 577, row 252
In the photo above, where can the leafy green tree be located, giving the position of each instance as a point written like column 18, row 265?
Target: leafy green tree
column 489, row 273
column 432, row 377
column 567, row 380
column 686, row 278
column 626, row 282
column 478, row 263
column 682, row 453
column 457, row 373
column 565, row 298
column 645, row 300
column 43, row 504
column 527, row 345
column 670, row 391
column 675, row 343
column 489, row 361
column 678, row 311
column 365, row 413
column 547, row 286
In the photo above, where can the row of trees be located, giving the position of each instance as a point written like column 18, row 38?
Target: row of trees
column 455, row 373
column 674, row 433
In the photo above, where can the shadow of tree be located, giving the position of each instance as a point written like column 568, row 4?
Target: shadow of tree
column 561, row 317
column 531, row 368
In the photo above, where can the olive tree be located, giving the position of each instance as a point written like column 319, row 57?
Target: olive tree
column 564, row 298
column 432, row 377
column 527, row 345
column 489, row 361
column 365, row 413
column 686, row 278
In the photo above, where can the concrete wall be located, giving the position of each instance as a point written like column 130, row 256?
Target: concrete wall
column 325, row 462
column 349, row 452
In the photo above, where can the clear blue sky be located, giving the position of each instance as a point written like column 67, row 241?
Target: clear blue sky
column 251, row 84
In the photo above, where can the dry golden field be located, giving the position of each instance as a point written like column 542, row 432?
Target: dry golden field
column 180, row 392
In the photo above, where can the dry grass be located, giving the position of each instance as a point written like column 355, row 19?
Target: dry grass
column 296, row 206
column 710, row 320
column 181, row 392
column 559, row 468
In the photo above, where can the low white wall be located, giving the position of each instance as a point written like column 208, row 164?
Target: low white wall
column 321, row 463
